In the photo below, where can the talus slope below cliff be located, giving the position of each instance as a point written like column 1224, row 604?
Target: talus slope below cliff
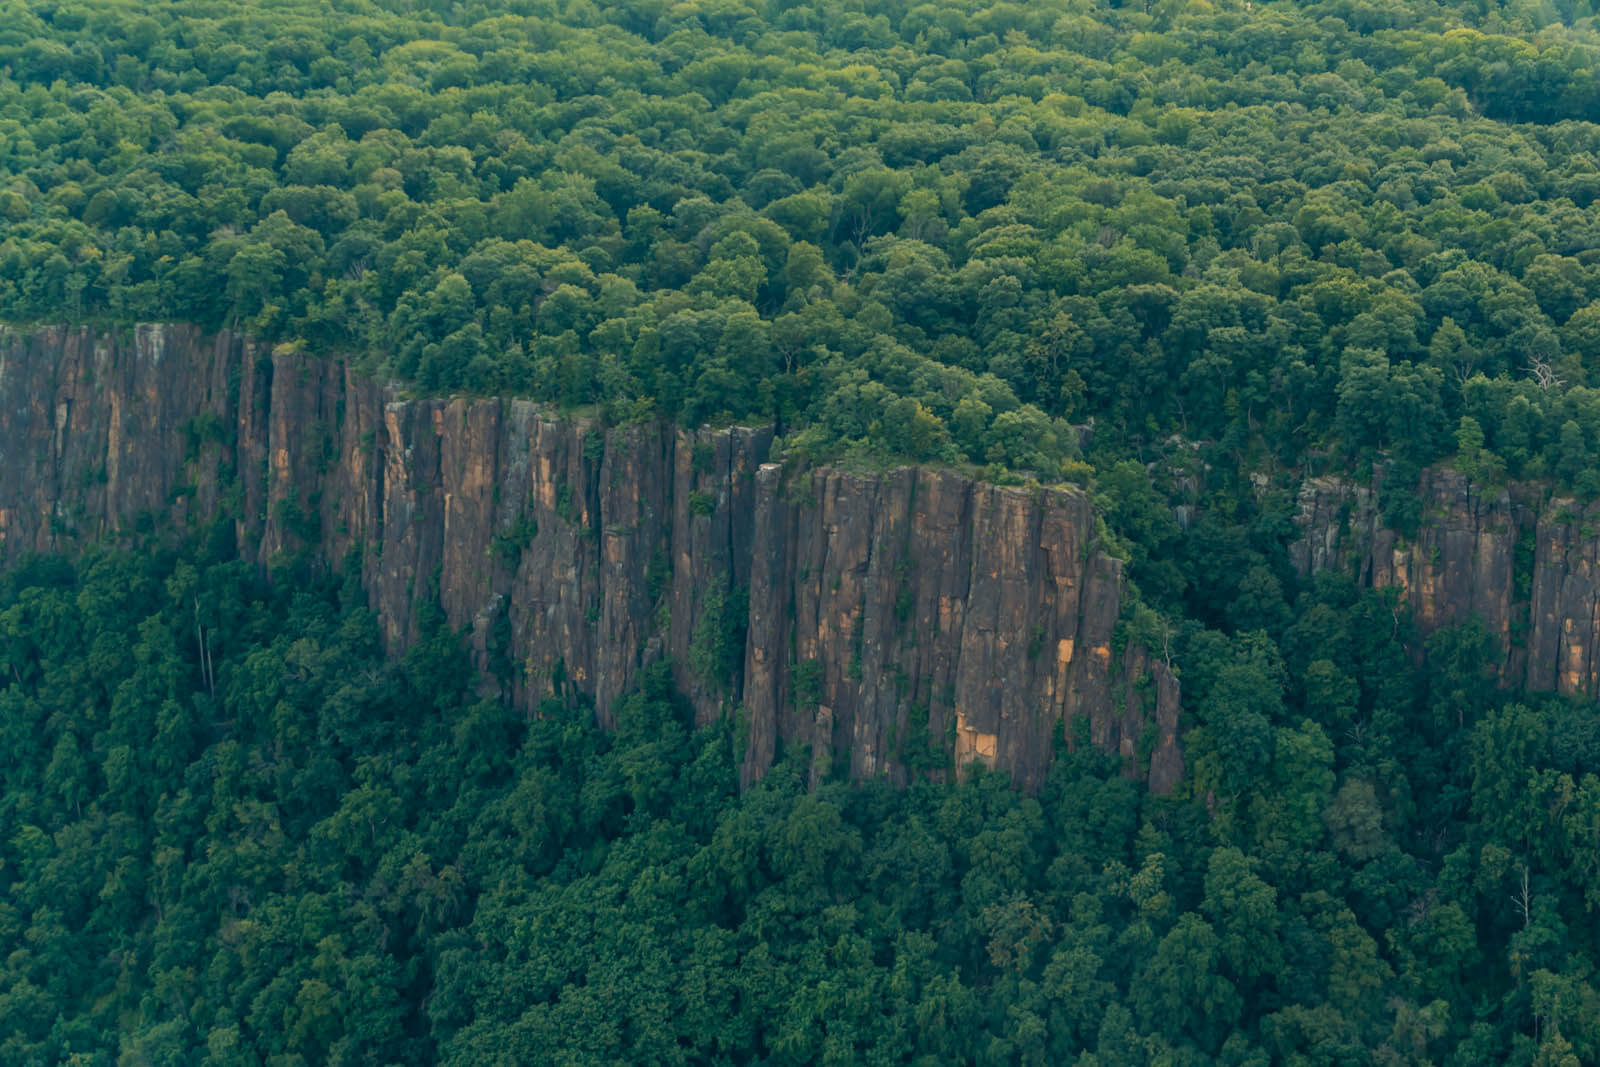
column 891, row 621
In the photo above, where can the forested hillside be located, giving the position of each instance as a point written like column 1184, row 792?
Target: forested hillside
column 1184, row 255
column 232, row 834
column 1302, row 230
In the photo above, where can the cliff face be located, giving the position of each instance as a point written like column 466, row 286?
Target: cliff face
column 895, row 610
column 1526, row 566
column 882, row 619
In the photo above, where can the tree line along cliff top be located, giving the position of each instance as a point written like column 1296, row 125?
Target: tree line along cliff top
column 1306, row 233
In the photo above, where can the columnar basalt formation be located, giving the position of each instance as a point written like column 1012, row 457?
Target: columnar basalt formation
column 1521, row 562
column 898, row 622
column 893, row 609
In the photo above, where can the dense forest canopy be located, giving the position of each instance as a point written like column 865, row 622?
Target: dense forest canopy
column 1176, row 252
column 231, row 833
column 1310, row 233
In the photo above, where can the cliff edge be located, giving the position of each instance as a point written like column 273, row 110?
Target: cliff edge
column 898, row 622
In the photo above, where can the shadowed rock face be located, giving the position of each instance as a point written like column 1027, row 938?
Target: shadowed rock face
column 1524, row 565
column 887, row 620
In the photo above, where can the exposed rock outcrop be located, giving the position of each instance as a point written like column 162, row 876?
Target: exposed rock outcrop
column 890, row 610
column 1526, row 565
column 888, row 620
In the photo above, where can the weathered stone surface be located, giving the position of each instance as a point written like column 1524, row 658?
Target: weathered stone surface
column 1524, row 565
column 96, row 432
column 893, row 609
column 713, row 518
column 884, row 619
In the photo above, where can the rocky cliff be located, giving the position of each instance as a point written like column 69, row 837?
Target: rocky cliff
column 890, row 620
column 1525, row 564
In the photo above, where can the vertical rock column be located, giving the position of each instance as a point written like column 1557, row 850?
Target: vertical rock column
column 103, row 432
column 714, row 493
column 895, row 614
